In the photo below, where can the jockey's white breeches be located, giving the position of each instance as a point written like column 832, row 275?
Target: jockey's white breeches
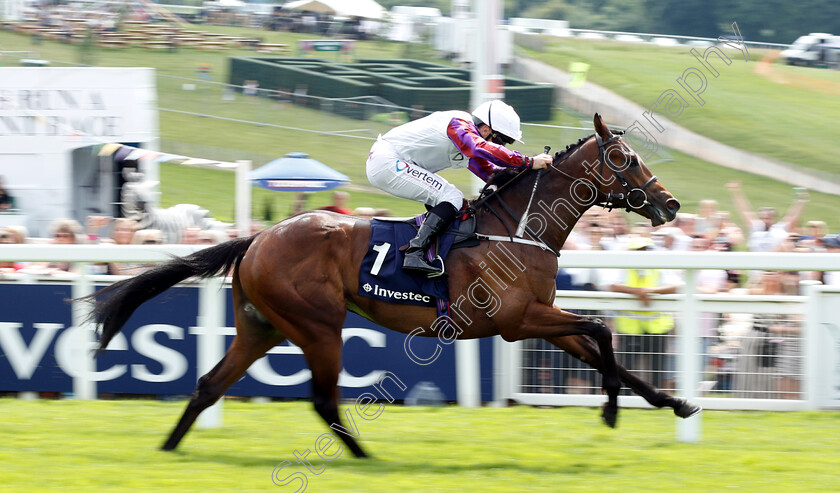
column 386, row 171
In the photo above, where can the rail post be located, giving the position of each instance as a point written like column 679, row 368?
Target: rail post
column 688, row 358
column 84, row 385
column 211, row 340
column 467, row 373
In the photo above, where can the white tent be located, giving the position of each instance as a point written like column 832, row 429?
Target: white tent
column 367, row 9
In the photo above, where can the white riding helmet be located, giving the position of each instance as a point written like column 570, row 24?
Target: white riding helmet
column 500, row 117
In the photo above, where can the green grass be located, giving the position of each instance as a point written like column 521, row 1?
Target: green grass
column 112, row 446
column 691, row 180
column 742, row 109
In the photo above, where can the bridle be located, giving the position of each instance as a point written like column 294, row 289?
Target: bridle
column 610, row 199
column 608, row 202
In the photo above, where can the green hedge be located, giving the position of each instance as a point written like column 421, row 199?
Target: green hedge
column 407, row 83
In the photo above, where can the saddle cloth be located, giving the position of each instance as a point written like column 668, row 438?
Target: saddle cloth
column 381, row 275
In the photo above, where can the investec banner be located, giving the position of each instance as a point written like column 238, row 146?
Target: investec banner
column 156, row 353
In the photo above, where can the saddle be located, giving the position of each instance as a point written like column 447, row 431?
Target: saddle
column 462, row 229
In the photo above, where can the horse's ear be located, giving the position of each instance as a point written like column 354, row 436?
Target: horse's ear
column 602, row 130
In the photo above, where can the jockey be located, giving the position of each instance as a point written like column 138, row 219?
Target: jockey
column 405, row 162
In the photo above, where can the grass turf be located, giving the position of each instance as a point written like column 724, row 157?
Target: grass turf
column 112, row 446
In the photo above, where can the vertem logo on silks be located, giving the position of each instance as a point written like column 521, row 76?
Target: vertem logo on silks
column 419, row 174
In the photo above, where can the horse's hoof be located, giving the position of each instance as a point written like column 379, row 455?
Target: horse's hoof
column 359, row 453
column 609, row 416
column 687, row 409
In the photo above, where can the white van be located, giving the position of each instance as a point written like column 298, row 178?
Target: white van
column 813, row 49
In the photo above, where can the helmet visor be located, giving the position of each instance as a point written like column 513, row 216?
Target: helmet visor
column 500, row 139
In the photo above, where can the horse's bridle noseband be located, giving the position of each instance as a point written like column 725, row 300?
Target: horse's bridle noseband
column 608, row 202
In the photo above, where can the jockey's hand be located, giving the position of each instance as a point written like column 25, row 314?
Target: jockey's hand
column 541, row 161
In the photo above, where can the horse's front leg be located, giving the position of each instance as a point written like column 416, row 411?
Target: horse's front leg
column 544, row 321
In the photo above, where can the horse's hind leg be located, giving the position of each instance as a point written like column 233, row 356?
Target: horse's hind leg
column 585, row 350
column 254, row 337
column 324, row 359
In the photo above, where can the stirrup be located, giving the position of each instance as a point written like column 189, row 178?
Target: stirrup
column 440, row 273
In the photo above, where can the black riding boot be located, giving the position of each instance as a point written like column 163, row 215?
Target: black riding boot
column 438, row 219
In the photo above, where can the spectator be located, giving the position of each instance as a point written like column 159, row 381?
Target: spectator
column 832, row 245
column 588, row 234
column 189, row 235
column 766, row 232
column 94, row 225
column 144, row 237
column 148, row 237
column 339, row 204
column 617, row 239
column 9, row 236
column 211, row 237
column 643, row 334
column 814, row 232
column 727, row 230
column 733, row 277
column 365, row 212
column 64, row 232
column 817, row 229
column 298, row 203
column 682, row 231
column 668, row 238
column 122, row 234
column 769, row 349
column 18, row 232
column 581, row 236
column 6, row 201
column 124, row 230
column 709, row 281
column 706, row 219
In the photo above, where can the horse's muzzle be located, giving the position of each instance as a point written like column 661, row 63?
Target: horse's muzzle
column 672, row 205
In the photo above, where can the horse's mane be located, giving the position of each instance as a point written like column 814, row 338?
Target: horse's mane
column 504, row 175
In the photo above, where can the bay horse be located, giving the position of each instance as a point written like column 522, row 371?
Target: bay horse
column 296, row 280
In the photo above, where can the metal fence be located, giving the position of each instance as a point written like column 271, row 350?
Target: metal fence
column 678, row 39
column 726, row 351
column 739, row 358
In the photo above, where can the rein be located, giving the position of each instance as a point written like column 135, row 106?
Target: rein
column 520, row 220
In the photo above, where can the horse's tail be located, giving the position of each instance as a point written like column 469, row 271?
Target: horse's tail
column 113, row 305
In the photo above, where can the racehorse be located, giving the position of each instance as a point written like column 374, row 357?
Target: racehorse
column 296, row 280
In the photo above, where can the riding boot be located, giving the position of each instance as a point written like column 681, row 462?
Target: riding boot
column 437, row 220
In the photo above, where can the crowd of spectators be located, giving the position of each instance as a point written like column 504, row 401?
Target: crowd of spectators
column 748, row 355
column 319, row 23
column 105, row 230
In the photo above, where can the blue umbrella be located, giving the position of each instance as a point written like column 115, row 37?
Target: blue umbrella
column 297, row 173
